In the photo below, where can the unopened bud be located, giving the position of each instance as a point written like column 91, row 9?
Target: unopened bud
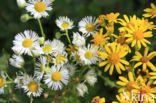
column 25, row 17
column 41, row 40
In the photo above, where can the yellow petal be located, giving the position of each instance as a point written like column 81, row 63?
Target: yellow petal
column 111, row 70
column 137, row 64
column 124, row 62
column 130, row 76
column 103, row 63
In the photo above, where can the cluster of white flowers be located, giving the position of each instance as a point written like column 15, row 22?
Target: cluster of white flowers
column 51, row 58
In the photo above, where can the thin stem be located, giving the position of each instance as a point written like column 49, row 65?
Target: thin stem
column 34, row 59
column 9, row 77
column 31, row 99
column 68, row 37
column 41, row 28
column 24, row 69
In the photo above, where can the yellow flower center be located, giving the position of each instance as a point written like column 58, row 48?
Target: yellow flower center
column 90, row 27
column 40, row 6
column 138, row 35
column 65, row 25
column 60, row 59
column 88, row 55
column 131, row 85
column 98, row 39
column 144, row 59
column 27, row 43
column 113, row 58
column 41, row 67
column 2, row 82
column 121, row 40
column 154, row 11
column 47, row 48
column 56, row 76
column 33, row 86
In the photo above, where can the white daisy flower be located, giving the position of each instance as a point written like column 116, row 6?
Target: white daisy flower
column 21, row 3
column 78, row 40
column 53, row 47
column 91, row 77
column 2, row 82
column 40, row 67
column 56, row 78
column 20, row 79
column 82, row 89
column 25, row 42
column 39, row 8
column 88, row 26
column 17, row 61
column 88, row 55
column 71, row 68
column 32, row 87
column 64, row 23
column 60, row 59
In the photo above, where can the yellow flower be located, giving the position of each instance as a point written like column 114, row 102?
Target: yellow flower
column 100, row 19
column 113, row 55
column 100, row 38
column 97, row 99
column 145, row 23
column 150, row 12
column 144, row 60
column 112, row 17
column 122, row 41
column 127, row 22
column 136, row 36
column 127, row 85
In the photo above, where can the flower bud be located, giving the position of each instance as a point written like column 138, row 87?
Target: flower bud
column 25, row 17
column 41, row 40
column 21, row 3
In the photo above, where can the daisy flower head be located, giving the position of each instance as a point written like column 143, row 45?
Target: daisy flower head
column 25, row 42
column 97, row 99
column 19, row 80
column 127, row 22
column 64, row 23
column 39, row 8
column 113, row 58
column 40, row 68
column 53, row 47
column 32, row 87
column 2, row 82
column 88, row 26
column 57, row 77
column 82, row 89
column 88, row 54
column 60, row 59
column 144, row 60
column 150, row 12
column 17, row 61
column 100, row 39
column 137, row 36
column 78, row 40
column 91, row 77
column 127, row 84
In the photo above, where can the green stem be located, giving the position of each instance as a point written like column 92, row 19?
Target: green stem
column 9, row 77
column 24, row 69
column 31, row 99
column 41, row 28
column 34, row 59
column 68, row 37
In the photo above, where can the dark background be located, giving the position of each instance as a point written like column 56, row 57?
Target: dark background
column 10, row 25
